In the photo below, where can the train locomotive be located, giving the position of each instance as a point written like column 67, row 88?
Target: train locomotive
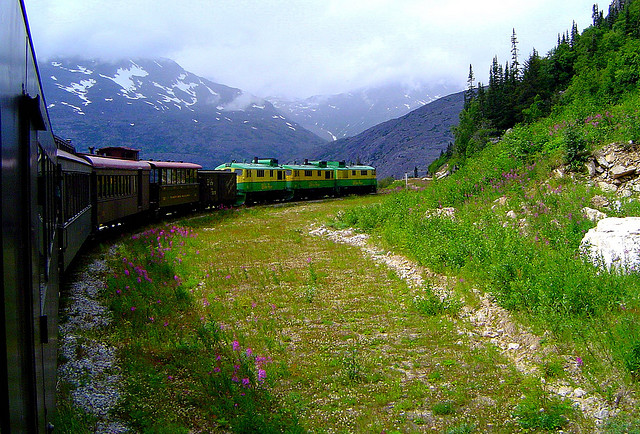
column 265, row 179
column 54, row 199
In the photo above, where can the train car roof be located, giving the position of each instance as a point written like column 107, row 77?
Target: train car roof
column 305, row 167
column 115, row 163
column 68, row 156
column 360, row 167
column 173, row 165
column 258, row 166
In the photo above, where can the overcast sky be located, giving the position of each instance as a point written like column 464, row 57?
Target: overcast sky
column 299, row 48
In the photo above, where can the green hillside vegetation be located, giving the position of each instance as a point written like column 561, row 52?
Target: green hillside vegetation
column 553, row 112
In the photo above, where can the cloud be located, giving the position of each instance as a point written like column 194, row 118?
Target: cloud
column 278, row 47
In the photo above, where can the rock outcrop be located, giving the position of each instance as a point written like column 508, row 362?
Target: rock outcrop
column 616, row 169
column 614, row 244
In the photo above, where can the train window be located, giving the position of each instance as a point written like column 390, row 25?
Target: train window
column 373, row 172
column 327, row 175
column 308, row 173
column 353, row 173
column 296, row 173
column 320, row 173
column 271, row 173
column 363, row 172
column 248, row 174
column 279, row 175
column 288, row 172
column 260, row 173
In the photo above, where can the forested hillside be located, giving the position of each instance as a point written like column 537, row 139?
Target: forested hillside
column 574, row 89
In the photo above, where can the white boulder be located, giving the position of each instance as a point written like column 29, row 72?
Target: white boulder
column 614, row 244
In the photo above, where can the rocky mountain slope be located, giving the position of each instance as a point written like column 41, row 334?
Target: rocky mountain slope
column 334, row 117
column 399, row 145
column 167, row 112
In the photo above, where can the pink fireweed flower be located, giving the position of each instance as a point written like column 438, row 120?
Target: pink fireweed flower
column 228, row 276
column 133, row 308
column 126, row 272
column 262, row 374
column 246, row 382
column 249, row 352
column 579, row 361
column 236, row 346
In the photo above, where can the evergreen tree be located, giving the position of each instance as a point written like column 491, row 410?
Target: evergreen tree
column 469, row 94
column 574, row 34
column 515, row 65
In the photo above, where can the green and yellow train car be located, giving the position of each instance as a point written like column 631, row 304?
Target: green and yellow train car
column 311, row 179
column 357, row 179
column 260, row 180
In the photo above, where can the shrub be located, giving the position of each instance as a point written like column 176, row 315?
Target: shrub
column 539, row 411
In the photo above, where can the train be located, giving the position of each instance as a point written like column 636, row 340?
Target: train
column 114, row 186
column 54, row 199
column 265, row 179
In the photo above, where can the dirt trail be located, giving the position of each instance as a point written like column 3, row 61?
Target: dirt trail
column 490, row 323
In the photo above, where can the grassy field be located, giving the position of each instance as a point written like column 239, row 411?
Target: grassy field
column 242, row 321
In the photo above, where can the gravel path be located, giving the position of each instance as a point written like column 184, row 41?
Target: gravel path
column 89, row 365
column 490, row 323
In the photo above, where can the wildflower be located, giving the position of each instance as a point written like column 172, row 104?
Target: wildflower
column 151, row 319
column 579, row 361
column 126, row 272
column 133, row 308
column 216, row 369
column 249, row 352
column 246, row 382
column 235, row 379
column 236, row 346
column 166, row 323
column 262, row 374
column 228, row 276
column 118, row 291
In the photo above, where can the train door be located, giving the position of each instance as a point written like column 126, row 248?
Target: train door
column 138, row 187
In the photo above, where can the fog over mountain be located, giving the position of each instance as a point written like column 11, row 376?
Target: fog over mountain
column 334, row 117
column 166, row 112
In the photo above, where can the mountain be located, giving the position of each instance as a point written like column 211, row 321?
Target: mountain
column 399, row 145
column 344, row 115
column 166, row 112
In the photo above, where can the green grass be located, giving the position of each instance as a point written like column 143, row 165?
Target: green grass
column 227, row 337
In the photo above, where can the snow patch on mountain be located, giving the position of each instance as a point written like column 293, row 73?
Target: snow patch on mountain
column 124, row 77
column 80, row 89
